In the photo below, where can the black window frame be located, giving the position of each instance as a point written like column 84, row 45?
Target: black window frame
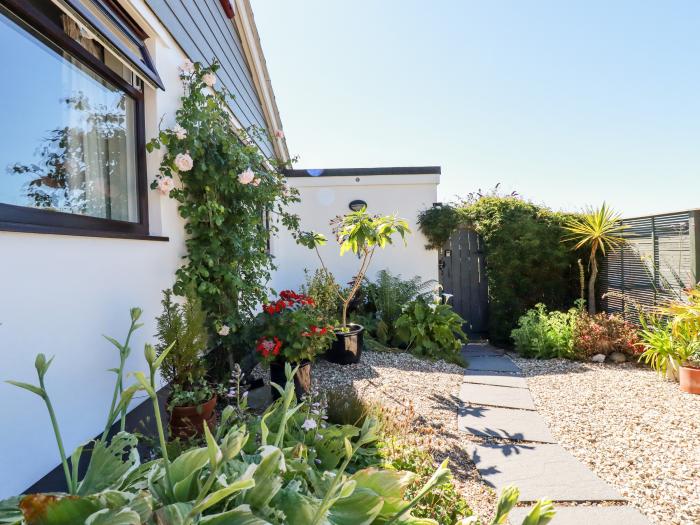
column 36, row 220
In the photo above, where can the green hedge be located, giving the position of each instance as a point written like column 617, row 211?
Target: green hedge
column 527, row 262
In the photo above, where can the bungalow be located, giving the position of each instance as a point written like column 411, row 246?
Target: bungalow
column 82, row 238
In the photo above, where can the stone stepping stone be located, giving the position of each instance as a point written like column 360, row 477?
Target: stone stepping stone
column 492, row 363
column 587, row 516
column 481, row 349
column 504, row 423
column 497, row 396
column 540, row 471
column 484, row 377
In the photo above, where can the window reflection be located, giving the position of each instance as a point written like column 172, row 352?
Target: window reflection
column 68, row 136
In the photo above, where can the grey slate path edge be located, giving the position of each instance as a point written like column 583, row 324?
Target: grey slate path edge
column 492, row 363
column 498, row 396
column 504, row 423
column 587, row 516
column 540, row 471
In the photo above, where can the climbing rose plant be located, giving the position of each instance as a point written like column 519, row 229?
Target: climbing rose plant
column 226, row 191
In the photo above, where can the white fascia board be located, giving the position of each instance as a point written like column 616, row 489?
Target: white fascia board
column 366, row 180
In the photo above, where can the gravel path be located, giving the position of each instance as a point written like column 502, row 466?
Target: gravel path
column 428, row 393
column 635, row 430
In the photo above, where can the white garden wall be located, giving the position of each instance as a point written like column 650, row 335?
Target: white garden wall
column 325, row 197
column 60, row 293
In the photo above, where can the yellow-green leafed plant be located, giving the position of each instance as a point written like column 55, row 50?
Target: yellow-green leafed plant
column 599, row 230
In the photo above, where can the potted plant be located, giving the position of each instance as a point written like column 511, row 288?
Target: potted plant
column 293, row 331
column 192, row 398
column 360, row 233
column 685, row 329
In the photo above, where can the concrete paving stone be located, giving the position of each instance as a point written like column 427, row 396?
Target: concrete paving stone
column 485, row 377
column 540, row 471
column 492, row 363
column 481, row 349
column 587, row 516
column 505, row 423
column 498, row 396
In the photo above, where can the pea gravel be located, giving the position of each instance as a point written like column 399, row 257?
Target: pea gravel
column 635, row 430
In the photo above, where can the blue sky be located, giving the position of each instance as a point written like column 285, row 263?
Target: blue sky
column 568, row 103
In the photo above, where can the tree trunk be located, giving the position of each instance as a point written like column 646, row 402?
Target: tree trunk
column 591, row 285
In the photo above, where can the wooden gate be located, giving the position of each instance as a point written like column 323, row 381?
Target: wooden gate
column 463, row 274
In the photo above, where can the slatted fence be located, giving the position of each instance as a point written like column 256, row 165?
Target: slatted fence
column 660, row 258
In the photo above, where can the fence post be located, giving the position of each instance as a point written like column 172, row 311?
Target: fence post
column 694, row 237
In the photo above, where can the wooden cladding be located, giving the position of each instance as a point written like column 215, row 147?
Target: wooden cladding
column 659, row 259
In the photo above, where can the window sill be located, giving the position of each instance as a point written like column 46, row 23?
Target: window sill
column 57, row 230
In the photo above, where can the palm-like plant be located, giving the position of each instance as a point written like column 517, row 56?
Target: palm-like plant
column 598, row 230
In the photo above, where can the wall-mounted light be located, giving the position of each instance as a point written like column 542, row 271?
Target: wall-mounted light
column 357, row 205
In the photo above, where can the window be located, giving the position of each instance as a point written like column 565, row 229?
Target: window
column 72, row 156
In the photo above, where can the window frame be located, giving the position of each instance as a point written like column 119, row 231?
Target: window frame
column 37, row 220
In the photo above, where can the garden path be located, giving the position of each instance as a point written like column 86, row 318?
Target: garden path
column 517, row 448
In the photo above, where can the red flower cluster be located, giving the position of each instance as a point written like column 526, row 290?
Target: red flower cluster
column 266, row 347
column 288, row 299
column 315, row 330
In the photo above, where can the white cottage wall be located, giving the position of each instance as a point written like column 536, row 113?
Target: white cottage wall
column 325, row 197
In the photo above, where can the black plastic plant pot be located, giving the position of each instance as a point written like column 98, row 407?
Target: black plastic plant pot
column 302, row 379
column 347, row 347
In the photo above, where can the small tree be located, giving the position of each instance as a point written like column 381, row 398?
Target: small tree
column 597, row 230
column 360, row 233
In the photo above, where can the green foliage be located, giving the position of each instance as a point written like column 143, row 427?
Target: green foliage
column 431, row 329
column 323, row 289
column 182, row 327
column 388, row 295
column 225, row 197
column 544, row 334
column 438, row 224
column 360, row 233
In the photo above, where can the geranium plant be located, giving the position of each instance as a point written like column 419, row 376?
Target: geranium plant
column 231, row 197
column 360, row 233
column 292, row 329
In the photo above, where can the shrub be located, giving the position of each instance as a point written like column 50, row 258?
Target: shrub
column 544, row 334
column 526, row 261
column 431, row 329
column 603, row 334
column 323, row 289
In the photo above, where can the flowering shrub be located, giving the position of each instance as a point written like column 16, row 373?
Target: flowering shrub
column 292, row 329
column 603, row 334
column 225, row 190
column 544, row 334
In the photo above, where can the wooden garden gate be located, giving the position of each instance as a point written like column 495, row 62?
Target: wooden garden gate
column 463, row 274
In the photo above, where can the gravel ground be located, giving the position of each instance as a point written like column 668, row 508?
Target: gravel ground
column 636, row 431
column 428, row 393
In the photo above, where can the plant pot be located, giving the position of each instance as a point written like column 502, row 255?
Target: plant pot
column 188, row 421
column 690, row 379
column 302, row 379
column 347, row 347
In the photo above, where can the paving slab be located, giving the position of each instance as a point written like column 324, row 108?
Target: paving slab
column 485, row 377
column 492, row 363
column 498, row 396
column 505, row 423
column 540, row 471
column 481, row 349
column 587, row 516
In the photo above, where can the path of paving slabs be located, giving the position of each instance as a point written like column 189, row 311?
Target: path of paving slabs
column 518, row 448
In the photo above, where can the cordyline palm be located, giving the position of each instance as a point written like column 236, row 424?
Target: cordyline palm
column 598, row 230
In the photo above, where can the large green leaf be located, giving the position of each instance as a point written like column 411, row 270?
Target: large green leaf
column 114, row 517
column 390, row 485
column 268, row 480
column 298, row 508
column 107, row 468
column 58, row 511
column 361, row 508
column 238, row 516
column 173, row 514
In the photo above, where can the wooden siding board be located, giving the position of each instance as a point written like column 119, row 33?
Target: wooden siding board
column 199, row 29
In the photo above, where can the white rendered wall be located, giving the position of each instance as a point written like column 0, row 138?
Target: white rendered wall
column 58, row 294
column 325, row 197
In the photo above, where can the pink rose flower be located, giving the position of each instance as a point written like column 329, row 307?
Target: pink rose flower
column 279, row 133
column 246, row 177
column 180, row 132
column 256, row 181
column 224, row 330
column 165, row 185
column 183, row 162
column 187, row 67
column 209, row 79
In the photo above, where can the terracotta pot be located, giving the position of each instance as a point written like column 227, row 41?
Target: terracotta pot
column 690, row 379
column 188, row 421
column 347, row 347
column 302, row 379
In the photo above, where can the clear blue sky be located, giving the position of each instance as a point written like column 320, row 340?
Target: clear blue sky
column 567, row 102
